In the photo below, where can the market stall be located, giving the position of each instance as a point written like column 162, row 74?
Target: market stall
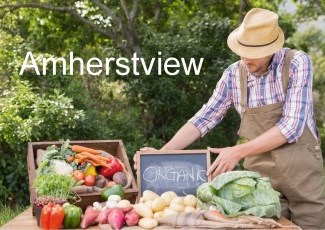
column 90, row 184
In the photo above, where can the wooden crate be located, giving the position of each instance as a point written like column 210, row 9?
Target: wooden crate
column 114, row 147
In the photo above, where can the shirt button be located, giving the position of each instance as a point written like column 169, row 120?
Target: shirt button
column 244, row 110
column 317, row 148
column 318, row 156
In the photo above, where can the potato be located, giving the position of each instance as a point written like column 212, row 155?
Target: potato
column 167, row 197
column 178, row 200
column 190, row 200
column 148, row 223
column 148, row 203
column 116, row 198
column 158, row 204
column 169, row 212
column 141, row 200
column 176, row 207
column 172, row 194
column 158, row 215
column 189, row 209
column 149, row 195
column 123, row 204
column 143, row 210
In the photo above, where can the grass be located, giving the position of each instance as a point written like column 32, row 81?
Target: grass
column 7, row 213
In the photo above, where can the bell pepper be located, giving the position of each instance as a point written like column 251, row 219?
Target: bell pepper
column 91, row 170
column 72, row 216
column 114, row 166
column 52, row 216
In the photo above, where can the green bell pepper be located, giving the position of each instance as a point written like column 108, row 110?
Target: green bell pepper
column 72, row 216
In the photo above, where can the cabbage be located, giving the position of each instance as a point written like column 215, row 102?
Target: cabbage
column 241, row 192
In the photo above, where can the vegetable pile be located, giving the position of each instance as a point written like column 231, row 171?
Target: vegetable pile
column 153, row 207
column 115, row 211
column 65, row 171
column 240, row 192
column 92, row 170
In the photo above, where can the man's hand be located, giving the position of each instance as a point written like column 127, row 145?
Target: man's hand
column 226, row 161
column 142, row 149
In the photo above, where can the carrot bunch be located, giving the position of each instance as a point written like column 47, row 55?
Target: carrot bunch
column 84, row 154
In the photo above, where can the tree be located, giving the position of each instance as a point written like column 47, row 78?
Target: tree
column 119, row 25
column 312, row 41
column 310, row 9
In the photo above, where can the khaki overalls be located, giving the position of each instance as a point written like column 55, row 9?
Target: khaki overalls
column 295, row 170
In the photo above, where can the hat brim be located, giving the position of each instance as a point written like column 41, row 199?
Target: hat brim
column 254, row 52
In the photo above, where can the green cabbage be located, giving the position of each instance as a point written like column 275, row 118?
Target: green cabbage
column 241, row 192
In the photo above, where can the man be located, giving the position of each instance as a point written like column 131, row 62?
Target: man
column 275, row 102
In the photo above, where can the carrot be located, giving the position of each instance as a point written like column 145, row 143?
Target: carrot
column 103, row 163
column 69, row 159
column 81, row 157
column 79, row 149
column 92, row 162
column 104, row 158
column 90, row 157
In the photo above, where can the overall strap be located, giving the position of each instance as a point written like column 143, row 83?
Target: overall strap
column 243, row 77
column 243, row 85
column 286, row 69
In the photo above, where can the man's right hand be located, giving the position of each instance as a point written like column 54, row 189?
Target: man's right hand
column 142, row 149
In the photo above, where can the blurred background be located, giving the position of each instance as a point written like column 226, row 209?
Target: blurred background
column 140, row 110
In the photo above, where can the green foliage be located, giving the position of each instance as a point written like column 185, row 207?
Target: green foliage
column 312, row 41
column 172, row 100
column 28, row 116
column 14, row 176
column 310, row 9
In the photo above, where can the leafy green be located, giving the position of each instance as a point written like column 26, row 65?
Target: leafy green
column 205, row 194
column 54, row 185
column 241, row 192
column 58, row 153
column 226, row 178
column 54, row 159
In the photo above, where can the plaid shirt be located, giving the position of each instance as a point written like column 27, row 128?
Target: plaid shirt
column 265, row 90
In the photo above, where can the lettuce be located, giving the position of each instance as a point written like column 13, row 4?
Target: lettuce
column 241, row 192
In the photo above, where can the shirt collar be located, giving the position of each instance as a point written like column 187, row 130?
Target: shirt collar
column 276, row 58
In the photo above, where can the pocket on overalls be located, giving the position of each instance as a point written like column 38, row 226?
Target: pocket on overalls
column 316, row 151
column 301, row 169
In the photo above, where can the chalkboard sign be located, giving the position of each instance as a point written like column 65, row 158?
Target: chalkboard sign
column 181, row 171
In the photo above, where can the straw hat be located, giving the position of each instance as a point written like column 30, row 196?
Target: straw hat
column 259, row 35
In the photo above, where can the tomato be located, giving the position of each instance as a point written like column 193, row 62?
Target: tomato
column 89, row 180
column 78, row 175
column 114, row 166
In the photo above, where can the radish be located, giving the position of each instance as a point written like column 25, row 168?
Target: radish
column 103, row 216
column 116, row 219
column 89, row 218
column 132, row 218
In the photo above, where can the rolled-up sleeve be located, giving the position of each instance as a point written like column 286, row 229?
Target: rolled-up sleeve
column 298, row 101
column 215, row 109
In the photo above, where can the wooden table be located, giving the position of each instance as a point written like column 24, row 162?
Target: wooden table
column 27, row 221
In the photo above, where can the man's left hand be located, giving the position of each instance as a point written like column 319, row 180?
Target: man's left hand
column 226, row 161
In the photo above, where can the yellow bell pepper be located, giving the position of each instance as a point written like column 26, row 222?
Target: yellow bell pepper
column 91, row 170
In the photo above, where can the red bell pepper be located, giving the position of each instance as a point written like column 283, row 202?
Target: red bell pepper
column 114, row 166
column 52, row 216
